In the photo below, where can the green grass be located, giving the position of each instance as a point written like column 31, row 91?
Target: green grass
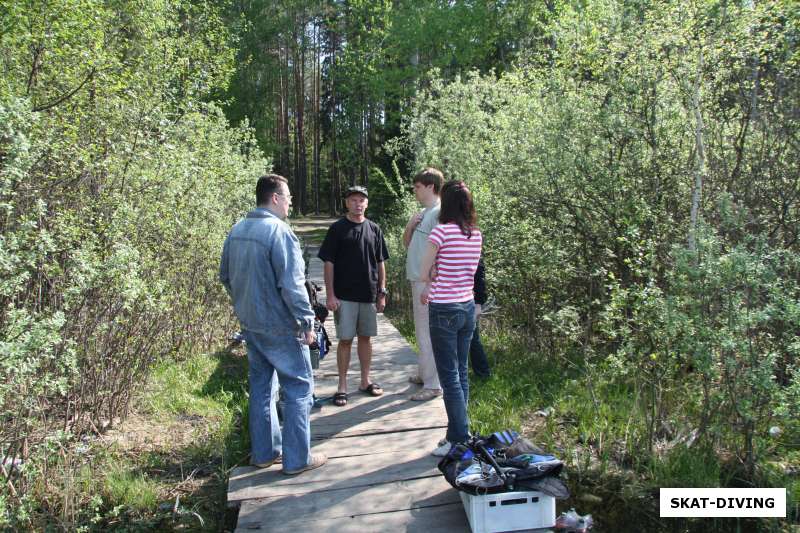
column 133, row 490
column 519, row 384
column 196, row 410
column 179, row 389
column 687, row 467
column 207, row 387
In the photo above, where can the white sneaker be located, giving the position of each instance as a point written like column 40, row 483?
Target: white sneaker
column 425, row 395
column 442, row 450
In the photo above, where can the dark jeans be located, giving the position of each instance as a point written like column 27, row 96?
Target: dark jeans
column 451, row 328
column 477, row 356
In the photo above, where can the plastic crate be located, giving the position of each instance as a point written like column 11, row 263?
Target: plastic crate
column 509, row 511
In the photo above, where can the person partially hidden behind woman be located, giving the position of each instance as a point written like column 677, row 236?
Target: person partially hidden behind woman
column 477, row 355
column 448, row 266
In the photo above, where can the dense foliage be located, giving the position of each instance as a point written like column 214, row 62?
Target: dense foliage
column 325, row 83
column 634, row 162
column 638, row 188
column 117, row 185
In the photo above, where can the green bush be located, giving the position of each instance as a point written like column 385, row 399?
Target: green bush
column 118, row 184
column 584, row 161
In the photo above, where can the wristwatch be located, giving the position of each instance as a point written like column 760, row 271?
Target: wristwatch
column 383, row 292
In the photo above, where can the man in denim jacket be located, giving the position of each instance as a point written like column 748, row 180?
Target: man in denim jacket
column 262, row 269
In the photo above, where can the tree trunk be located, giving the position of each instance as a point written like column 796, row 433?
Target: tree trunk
column 316, row 103
column 299, row 134
column 334, row 189
column 284, row 140
column 362, row 145
column 700, row 155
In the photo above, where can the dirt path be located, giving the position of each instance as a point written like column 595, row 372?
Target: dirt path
column 311, row 225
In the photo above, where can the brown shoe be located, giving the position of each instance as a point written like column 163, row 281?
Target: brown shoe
column 317, row 460
column 278, row 460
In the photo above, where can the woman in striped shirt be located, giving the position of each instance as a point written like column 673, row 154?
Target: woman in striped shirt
column 449, row 264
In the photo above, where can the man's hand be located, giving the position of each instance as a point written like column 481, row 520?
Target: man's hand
column 310, row 337
column 412, row 224
column 332, row 303
column 380, row 305
column 477, row 312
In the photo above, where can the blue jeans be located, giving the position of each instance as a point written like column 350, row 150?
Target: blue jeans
column 451, row 328
column 289, row 358
column 477, row 356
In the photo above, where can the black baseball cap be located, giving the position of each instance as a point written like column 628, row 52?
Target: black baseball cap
column 356, row 189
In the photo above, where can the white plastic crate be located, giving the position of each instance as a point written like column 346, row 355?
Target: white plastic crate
column 509, row 511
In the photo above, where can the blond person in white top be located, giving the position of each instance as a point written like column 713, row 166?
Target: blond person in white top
column 427, row 185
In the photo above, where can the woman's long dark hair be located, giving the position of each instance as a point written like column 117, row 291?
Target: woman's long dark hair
column 457, row 206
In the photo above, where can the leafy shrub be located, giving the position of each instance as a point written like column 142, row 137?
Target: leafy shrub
column 585, row 162
column 117, row 187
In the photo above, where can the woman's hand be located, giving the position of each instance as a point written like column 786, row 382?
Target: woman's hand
column 424, row 298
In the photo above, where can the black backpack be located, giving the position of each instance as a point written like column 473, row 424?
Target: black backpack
column 320, row 311
column 496, row 464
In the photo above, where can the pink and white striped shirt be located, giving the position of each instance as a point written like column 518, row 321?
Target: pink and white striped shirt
column 456, row 262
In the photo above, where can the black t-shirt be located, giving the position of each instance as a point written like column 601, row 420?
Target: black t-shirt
column 355, row 251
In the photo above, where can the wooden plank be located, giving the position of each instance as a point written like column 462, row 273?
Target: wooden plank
column 361, row 404
column 379, row 443
column 362, row 408
column 385, row 372
column 386, row 353
column 392, row 380
column 432, row 414
column 305, row 512
column 377, row 416
column 394, row 395
column 374, row 427
column 448, row 518
column 247, row 483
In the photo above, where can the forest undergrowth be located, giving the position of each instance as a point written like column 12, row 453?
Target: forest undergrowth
column 585, row 426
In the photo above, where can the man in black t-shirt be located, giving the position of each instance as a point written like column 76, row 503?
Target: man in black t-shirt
column 354, row 253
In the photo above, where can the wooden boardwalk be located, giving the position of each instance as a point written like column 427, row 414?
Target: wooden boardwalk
column 380, row 475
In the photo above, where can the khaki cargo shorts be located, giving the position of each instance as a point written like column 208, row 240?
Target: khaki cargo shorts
column 355, row 319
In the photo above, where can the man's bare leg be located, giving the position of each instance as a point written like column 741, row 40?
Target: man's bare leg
column 365, row 359
column 343, row 361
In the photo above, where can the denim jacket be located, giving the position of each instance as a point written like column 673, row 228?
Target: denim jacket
column 263, row 270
